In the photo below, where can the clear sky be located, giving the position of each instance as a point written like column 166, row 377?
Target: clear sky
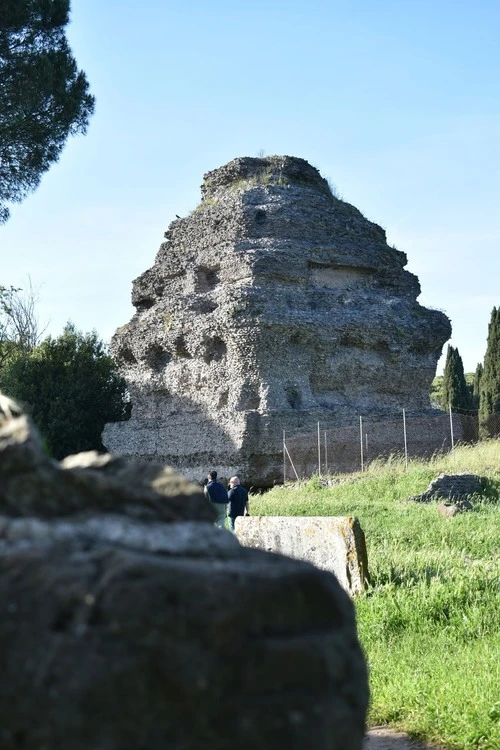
column 397, row 102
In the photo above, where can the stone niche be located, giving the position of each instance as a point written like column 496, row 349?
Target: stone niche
column 272, row 306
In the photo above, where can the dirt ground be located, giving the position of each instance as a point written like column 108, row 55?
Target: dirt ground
column 383, row 738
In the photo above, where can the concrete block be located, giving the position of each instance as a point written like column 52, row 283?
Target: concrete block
column 333, row 543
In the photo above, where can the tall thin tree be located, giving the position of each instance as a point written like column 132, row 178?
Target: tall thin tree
column 489, row 395
column 476, row 386
column 455, row 392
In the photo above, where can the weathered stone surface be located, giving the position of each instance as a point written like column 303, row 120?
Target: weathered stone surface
column 130, row 622
column 272, row 306
column 455, row 487
column 332, row 543
column 105, row 647
column 450, row 509
column 34, row 485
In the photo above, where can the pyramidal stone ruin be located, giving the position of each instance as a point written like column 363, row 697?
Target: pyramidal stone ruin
column 273, row 306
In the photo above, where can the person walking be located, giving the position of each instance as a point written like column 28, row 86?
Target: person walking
column 216, row 493
column 238, row 502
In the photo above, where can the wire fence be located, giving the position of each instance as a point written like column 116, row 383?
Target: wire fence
column 353, row 445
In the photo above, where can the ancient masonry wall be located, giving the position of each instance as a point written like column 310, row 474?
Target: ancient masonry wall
column 272, row 306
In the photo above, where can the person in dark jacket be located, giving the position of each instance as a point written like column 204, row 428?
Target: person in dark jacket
column 216, row 493
column 238, row 502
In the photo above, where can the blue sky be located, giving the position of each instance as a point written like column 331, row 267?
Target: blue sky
column 396, row 102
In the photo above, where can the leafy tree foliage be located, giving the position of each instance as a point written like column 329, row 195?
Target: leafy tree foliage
column 44, row 98
column 455, row 392
column 71, row 388
column 436, row 392
column 489, row 398
column 19, row 326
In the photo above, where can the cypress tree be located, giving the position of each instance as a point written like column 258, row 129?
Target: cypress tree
column 445, row 385
column 455, row 391
column 489, row 394
column 476, row 386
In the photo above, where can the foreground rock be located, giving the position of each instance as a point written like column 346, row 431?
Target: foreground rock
column 129, row 621
column 336, row 544
column 450, row 509
column 273, row 306
column 454, row 488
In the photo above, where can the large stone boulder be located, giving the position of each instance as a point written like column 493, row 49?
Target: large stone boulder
column 273, row 306
column 130, row 622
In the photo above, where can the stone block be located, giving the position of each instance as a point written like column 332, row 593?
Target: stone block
column 333, row 543
column 452, row 487
column 451, row 509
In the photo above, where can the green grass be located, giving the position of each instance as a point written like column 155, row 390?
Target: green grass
column 430, row 622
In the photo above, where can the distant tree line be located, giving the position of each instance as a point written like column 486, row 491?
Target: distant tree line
column 69, row 384
column 478, row 392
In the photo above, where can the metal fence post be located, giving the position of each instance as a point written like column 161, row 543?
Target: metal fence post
column 319, row 452
column 406, row 445
column 361, row 442
column 451, row 429
column 293, row 466
column 326, row 456
column 284, row 458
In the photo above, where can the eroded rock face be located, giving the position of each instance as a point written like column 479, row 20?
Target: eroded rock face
column 130, row 622
column 272, row 306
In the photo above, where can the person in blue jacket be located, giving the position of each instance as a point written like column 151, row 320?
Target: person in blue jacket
column 216, row 493
column 238, row 502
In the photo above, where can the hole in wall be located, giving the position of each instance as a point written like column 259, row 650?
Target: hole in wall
column 206, row 279
column 249, row 399
column 205, row 306
column 293, row 396
column 223, row 399
column 181, row 349
column 216, row 350
column 157, row 357
column 143, row 304
column 125, row 355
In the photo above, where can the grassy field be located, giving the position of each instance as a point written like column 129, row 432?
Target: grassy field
column 430, row 622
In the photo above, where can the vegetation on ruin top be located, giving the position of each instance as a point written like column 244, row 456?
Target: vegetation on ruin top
column 280, row 171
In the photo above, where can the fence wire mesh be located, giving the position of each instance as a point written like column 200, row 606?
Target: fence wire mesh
column 354, row 444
